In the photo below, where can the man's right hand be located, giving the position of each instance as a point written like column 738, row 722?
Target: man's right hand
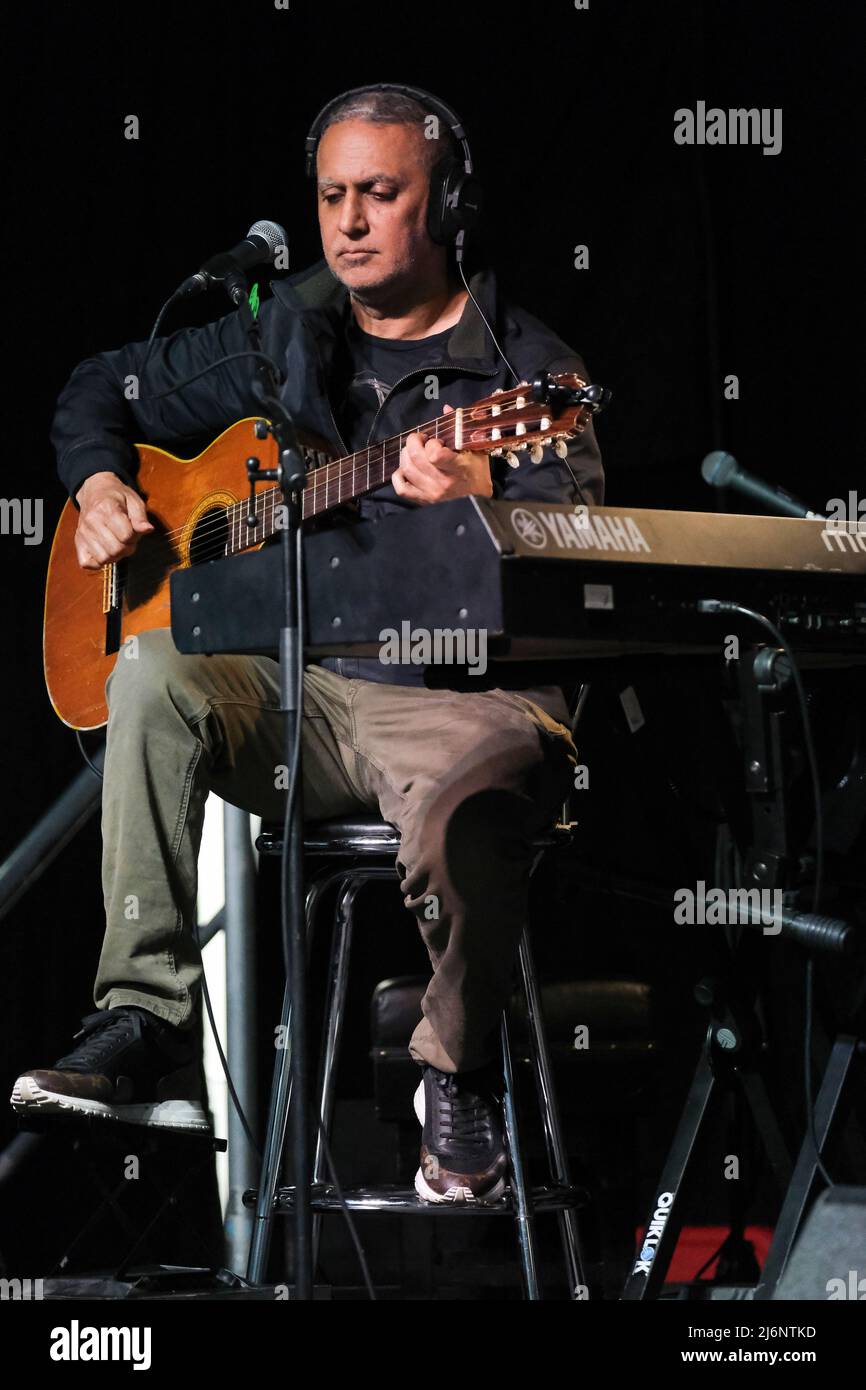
column 113, row 516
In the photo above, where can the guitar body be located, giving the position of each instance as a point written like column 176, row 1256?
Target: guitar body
column 185, row 499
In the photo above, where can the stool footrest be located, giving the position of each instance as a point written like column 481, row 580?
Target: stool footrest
column 404, row 1201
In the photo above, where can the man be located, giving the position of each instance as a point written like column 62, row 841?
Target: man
column 468, row 776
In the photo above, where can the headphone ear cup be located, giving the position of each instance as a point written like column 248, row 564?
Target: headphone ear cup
column 468, row 199
column 454, row 204
column 437, row 203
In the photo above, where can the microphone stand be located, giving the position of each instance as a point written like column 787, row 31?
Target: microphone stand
column 289, row 474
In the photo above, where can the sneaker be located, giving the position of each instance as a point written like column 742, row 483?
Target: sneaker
column 462, row 1150
column 129, row 1066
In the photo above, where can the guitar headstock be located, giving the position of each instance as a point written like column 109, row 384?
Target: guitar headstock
column 549, row 411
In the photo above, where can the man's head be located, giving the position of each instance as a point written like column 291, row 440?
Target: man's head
column 374, row 159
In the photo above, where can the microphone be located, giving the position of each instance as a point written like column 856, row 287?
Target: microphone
column 258, row 247
column 720, row 469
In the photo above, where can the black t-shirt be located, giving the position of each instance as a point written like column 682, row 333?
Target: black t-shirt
column 366, row 371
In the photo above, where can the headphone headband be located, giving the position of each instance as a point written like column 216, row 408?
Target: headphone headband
column 440, row 108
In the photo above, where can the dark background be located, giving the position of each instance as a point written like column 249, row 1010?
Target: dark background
column 703, row 262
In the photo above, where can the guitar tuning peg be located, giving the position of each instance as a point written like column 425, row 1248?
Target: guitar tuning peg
column 536, row 453
column 560, row 448
column 512, row 460
column 497, row 453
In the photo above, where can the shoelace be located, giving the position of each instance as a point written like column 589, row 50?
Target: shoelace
column 463, row 1115
column 104, row 1032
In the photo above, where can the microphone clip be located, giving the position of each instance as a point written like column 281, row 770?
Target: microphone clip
column 548, row 392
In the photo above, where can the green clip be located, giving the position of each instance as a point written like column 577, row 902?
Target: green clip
column 254, row 301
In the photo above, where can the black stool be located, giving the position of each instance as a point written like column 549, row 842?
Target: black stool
column 369, row 847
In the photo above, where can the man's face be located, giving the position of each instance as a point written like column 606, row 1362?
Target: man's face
column 373, row 184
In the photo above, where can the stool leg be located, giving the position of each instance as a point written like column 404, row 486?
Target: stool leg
column 275, row 1138
column 556, row 1150
column 278, row 1118
column 344, row 917
column 519, row 1187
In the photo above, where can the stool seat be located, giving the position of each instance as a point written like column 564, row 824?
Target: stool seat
column 370, row 835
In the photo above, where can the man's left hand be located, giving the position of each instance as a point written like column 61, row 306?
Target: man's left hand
column 430, row 472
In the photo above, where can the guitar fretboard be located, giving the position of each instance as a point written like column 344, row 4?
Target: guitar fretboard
column 328, row 486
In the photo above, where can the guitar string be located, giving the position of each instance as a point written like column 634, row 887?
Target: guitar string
column 223, row 524
column 313, row 484
column 216, row 537
column 217, row 527
column 312, row 481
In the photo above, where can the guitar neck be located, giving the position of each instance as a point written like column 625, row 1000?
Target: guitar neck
column 551, row 411
column 331, row 484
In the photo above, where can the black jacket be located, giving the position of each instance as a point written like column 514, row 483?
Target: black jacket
column 96, row 422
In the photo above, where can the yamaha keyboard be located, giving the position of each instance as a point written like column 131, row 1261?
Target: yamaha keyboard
column 542, row 581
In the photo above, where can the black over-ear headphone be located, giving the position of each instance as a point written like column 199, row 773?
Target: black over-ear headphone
column 455, row 193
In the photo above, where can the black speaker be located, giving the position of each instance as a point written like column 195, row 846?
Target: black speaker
column 828, row 1261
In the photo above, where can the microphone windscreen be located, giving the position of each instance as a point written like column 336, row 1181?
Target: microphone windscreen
column 272, row 233
column 718, row 468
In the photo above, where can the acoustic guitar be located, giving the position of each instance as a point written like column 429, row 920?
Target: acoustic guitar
column 199, row 508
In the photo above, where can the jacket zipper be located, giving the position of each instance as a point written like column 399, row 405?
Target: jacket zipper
column 469, row 371
column 417, row 370
column 337, row 434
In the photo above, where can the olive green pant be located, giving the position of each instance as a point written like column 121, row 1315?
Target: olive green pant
column 467, row 778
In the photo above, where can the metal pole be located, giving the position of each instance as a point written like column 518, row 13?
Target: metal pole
column 557, row 1152
column 521, row 1195
column 241, row 1014
column 51, row 833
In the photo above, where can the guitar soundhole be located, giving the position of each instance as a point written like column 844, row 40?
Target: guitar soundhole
column 209, row 537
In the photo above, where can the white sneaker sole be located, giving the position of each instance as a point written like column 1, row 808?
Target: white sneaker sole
column 458, row 1192
column 28, row 1098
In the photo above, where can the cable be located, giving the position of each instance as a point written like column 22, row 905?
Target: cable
column 211, row 367
column 807, row 1067
column 738, row 1204
column 223, row 1060
column 153, row 332
column 698, row 1276
column 294, row 766
column 566, row 460
column 362, row 1259
column 580, row 492
column 728, row 606
column 93, row 768
column 485, row 319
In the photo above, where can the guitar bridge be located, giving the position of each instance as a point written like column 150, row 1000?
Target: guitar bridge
column 112, row 607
